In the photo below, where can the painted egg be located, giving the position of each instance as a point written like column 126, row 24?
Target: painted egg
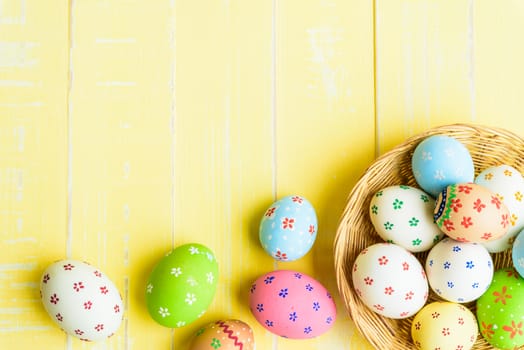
column 506, row 183
column 500, row 311
column 517, row 253
column 292, row 304
column 288, row 228
column 459, row 271
column 439, row 161
column 182, row 285
column 471, row 213
column 404, row 215
column 224, row 335
column 444, row 325
column 390, row 280
column 81, row 300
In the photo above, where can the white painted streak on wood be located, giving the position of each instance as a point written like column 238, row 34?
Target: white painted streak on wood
column 173, row 119
column 274, row 115
column 19, row 17
column 21, row 240
column 126, row 312
column 227, row 169
column 126, row 170
column 376, row 76
column 116, row 83
column 70, row 110
column 274, row 67
column 126, row 212
column 24, row 329
column 471, row 57
column 14, row 310
column 22, row 104
column 126, row 249
column 17, row 83
column 18, row 267
column 25, row 285
column 407, row 59
column 426, row 63
column 17, row 54
column 322, row 40
column 112, row 41
column 19, row 225
column 20, row 134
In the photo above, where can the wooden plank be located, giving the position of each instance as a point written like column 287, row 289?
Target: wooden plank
column 121, row 144
column 423, row 67
column 33, row 165
column 444, row 62
column 223, row 146
column 324, row 126
column 497, row 65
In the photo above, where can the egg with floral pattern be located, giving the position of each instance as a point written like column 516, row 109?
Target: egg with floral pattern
column 444, row 325
column 288, row 228
column 439, row 161
column 404, row 215
column 81, row 300
column 507, row 184
column 517, row 253
column 459, row 271
column 390, row 280
column 500, row 310
column 182, row 285
column 468, row 212
column 224, row 335
column 292, row 304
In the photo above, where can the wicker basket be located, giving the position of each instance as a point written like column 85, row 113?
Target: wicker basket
column 488, row 147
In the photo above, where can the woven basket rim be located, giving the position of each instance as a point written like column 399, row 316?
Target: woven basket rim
column 484, row 140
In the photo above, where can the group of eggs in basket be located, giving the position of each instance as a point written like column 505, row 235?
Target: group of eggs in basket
column 85, row 303
column 458, row 219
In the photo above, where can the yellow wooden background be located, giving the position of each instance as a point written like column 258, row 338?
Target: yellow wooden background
column 130, row 126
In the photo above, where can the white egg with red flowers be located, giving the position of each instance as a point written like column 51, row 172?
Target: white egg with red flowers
column 390, row 280
column 81, row 300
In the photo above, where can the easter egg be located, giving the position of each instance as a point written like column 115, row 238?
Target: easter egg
column 81, row 300
column 507, row 184
column 468, row 212
column 288, row 228
column 390, row 280
column 439, row 161
column 182, row 285
column 459, row 271
column 292, row 304
column 500, row 311
column 444, row 325
column 517, row 253
column 404, row 215
column 224, row 335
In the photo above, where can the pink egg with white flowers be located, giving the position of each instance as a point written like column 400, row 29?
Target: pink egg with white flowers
column 292, row 304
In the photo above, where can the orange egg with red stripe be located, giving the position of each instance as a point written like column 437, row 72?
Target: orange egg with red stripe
column 224, row 335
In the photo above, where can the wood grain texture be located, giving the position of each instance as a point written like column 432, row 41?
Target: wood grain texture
column 33, row 165
column 223, row 146
column 443, row 62
column 324, row 124
column 130, row 127
column 121, row 152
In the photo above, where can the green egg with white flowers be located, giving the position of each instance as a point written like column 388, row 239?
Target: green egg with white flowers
column 182, row 285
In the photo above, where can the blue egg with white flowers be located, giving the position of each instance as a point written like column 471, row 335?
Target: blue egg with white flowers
column 288, row 228
column 517, row 253
column 440, row 161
